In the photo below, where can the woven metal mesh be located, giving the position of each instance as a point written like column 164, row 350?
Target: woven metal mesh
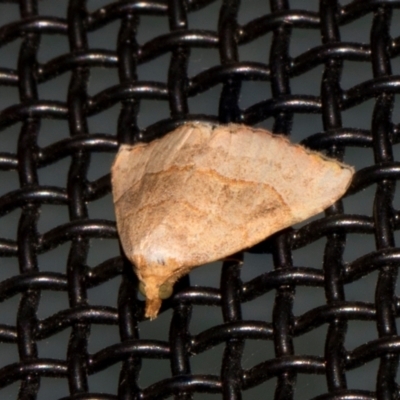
column 310, row 314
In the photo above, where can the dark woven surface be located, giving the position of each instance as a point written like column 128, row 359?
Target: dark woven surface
column 155, row 360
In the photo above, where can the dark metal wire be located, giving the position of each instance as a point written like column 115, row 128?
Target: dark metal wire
column 233, row 292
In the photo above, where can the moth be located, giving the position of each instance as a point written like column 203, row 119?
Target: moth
column 204, row 192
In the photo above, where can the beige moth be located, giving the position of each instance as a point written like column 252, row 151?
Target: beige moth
column 203, row 192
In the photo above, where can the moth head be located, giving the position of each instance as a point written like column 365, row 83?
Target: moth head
column 154, row 295
column 164, row 291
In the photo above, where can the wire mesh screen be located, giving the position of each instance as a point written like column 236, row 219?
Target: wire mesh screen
column 310, row 313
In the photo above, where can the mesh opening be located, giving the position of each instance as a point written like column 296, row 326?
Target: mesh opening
column 315, row 314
